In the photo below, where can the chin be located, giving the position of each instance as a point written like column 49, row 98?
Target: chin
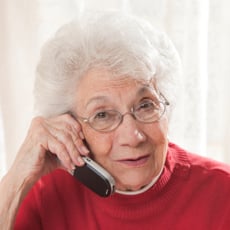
column 128, row 188
column 133, row 183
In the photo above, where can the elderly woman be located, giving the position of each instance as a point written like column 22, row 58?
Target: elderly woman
column 103, row 91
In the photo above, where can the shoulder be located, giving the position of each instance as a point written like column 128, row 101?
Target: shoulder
column 199, row 164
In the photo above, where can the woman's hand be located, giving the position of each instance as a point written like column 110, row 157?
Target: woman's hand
column 51, row 143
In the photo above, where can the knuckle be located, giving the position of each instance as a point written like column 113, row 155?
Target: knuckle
column 61, row 149
column 65, row 158
column 66, row 116
column 78, row 141
column 73, row 151
column 66, row 136
column 77, row 126
column 37, row 128
column 68, row 127
column 66, row 139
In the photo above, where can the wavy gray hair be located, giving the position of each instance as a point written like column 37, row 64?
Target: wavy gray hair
column 126, row 45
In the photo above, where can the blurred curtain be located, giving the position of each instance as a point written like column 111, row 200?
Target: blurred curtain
column 200, row 31
column 18, row 47
column 2, row 149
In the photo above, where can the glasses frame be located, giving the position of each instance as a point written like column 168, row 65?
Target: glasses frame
column 164, row 102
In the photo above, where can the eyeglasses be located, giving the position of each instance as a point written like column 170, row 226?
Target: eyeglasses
column 147, row 111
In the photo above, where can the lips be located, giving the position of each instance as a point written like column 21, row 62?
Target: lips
column 135, row 162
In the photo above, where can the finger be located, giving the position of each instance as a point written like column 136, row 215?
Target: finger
column 57, row 148
column 71, row 121
column 41, row 142
column 80, row 145
column 68, row 124
column 65, row 138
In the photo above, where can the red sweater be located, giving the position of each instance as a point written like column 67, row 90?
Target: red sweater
column 192, row 193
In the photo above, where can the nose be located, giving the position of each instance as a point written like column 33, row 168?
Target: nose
column 129, row 133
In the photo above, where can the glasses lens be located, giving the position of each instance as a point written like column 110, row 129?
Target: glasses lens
column 105, row 120
column 149, row 111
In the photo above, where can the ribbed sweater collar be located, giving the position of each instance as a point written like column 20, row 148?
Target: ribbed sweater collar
column 118, row 205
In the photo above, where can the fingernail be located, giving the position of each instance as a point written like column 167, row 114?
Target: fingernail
column 84, row 150
column 81, row 135
column 73, row 167
column 81, row 162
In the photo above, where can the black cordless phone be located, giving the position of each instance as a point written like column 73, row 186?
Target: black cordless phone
column 95, row 177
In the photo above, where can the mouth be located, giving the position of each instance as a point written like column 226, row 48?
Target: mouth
column 135, row 162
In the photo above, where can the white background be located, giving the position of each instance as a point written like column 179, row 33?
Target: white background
column 199, row 29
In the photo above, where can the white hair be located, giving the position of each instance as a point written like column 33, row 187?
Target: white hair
column 124, row 44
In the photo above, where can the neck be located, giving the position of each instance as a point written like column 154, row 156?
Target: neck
column 143, row 189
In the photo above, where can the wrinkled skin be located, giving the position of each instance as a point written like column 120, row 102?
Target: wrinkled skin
column 134, row 153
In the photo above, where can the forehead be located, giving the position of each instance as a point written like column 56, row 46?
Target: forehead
column 101, row 85
column 97, row 78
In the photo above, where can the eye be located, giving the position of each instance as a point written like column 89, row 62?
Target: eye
column 146, row 105
column 104, row 119
column 102, row 115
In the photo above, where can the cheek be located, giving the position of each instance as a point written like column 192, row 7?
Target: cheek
column 161, row 130
column 158, row 133
column 98, row 143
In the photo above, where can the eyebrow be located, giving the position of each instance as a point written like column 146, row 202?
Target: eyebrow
column 97, row 99
column 144, row 89
column 141, row 91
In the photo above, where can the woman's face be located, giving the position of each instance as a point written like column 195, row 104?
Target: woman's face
column 134, row 153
